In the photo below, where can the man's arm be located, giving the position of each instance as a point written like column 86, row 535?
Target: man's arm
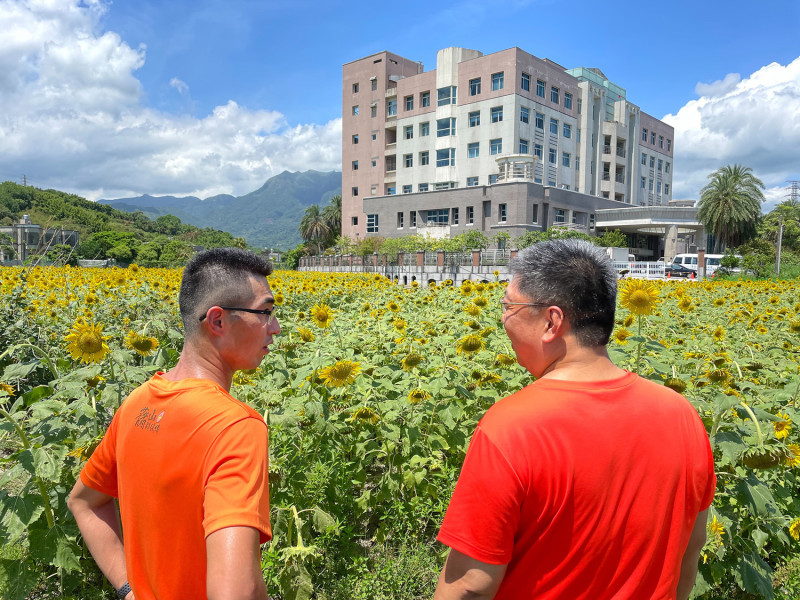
column 692, row 556
column 233, row 559
column 464, row 577
column 96, row 516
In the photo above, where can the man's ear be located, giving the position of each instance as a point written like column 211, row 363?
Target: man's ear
column 556, row 324
column 213, row 320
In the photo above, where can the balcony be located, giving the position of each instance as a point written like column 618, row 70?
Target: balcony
column 621, row 151
column 618, row 177
column 606, row 149
column 606, row 176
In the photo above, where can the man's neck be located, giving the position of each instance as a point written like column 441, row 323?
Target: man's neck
column 200, row 363
column 580, row 363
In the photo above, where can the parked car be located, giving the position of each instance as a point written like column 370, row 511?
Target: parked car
column 676, row 270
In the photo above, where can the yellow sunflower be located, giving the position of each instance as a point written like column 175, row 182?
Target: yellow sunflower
column 470, row 344
column 716, row 528
column 718, row 333
column 782, row 427
column 340, row 374
column 417, row 395
column 685, row 303
column 505, row 360
column 412, row 360
column 793, row 460
column 794, row 529
column 4, row 387
column 305, row 334
column 480, row 301
column 629, row 320
column 393, row 306
column 141, row 344
column 639, row 296
column 365, row 415
column 86, row 342
column 400, row 324
column 321, row 315
column 621, row 335
column 472, row 310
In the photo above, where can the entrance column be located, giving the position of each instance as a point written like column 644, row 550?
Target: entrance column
column 670, row 243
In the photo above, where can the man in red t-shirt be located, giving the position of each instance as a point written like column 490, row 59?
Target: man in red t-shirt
column 188, row 462
column 589, row 484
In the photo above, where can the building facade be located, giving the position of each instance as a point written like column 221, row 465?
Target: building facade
column 406, row 131
column 26, row 239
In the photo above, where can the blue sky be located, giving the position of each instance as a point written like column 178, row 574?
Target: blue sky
column 108, row 99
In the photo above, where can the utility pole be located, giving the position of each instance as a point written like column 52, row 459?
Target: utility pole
column 778, row 256
column 794, row 192
column 24, row 181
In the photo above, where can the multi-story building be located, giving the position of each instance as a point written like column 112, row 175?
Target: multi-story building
column 405, row 131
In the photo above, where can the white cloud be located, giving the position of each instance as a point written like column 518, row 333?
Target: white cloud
column 753, row 121
column 179, row 85
column 72, row 117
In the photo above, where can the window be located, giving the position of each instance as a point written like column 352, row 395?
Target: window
column 471, row 182
column 391, row 108
column 374, row 162
column 400, row 219
column 525, row 83
column 644, row 135
column 644, row 182
column 567, row 130
column 470, row 215
column 422, row 187
column 446, row 157
column 409, row 132
column 552, row 156
column 567, row 100
column 372, row 223
column 444, row 185
column 565, row 159
column 391, row 190
column 445, row 127
column 408, row 160
column 660, row 164
column 666, row 167
column 355, row 191
column 652, row 162
column 644, row 159
column 409, row 102
column 438, row 216
column 406, row 189
column 553, row 126
column 492, row 179
column 373, row 83
column 666, row 189
column 355, row 110
column 540, row 88
column 496, row 146
column 577, row 163
column 535, row 216
column 661, row 141
column 497, row 114
column 539, row 121
column 454, row 215
column 355, row 88
column 373, row 110
column 424, row 159
column 447, row 95
column 650, row 184
column 537, row 151
column 424, row 129
column 658, row 187
column 501, row 213
column 412, row 215
column 653, row 137
column 669, row 145
column 475, row 86
column 475, row 118
column 374, row 136
column 354, row 221
column 580, row 105
column 425, row 99
column 355, row 165
column 524, row 114
column 473, row 150
column 497, row 81
column 523, row 146
column 355, row 138
column 559, row 215
column 554, row 95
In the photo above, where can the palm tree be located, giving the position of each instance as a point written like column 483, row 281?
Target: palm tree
column 332, row 215
column 313, row 227
column 730, row 205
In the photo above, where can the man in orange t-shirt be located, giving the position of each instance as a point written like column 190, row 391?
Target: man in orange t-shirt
column 589, row 484
column 188, row 462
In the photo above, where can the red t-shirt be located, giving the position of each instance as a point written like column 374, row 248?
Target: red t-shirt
column 587, row 490
column 185, row 459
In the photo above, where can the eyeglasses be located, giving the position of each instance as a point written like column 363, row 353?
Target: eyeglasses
column 266, row 311
column 505, row 305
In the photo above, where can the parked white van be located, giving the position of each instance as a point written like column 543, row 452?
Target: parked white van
column 690, row 261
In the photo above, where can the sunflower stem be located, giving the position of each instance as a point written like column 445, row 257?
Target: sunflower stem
column 639, row 346
column 45, row 358
column 755, row 421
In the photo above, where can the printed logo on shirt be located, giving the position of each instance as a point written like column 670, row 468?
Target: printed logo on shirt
column 148, row 420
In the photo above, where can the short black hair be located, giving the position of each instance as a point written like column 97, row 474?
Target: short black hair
column 219, row 276
column 576, row 276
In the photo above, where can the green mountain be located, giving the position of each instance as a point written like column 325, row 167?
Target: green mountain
column 267, row 217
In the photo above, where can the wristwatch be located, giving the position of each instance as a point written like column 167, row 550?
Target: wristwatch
column 124, row 591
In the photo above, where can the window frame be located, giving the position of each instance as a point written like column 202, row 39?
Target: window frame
column 525, row 82
column 476, row 146
column 496, row 114
column 498, row 81
column 495, row 146
column 474, row 118
column 475, row 86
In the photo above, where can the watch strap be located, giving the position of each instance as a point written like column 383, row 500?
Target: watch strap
column 124, row 591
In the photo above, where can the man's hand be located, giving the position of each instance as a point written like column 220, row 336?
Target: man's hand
column 233, row 559
column 692, row 556
column 96, row 516
column 464, row 577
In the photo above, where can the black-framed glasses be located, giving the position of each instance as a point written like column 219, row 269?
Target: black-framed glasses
column 504, row 306
column 256, row 311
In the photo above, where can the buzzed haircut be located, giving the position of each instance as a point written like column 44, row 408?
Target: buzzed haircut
column 217, row 277
column 576, row 276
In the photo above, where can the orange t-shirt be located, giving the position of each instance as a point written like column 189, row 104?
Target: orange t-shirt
column 185, row 459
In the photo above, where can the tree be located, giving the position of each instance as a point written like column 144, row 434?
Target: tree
column 313, row 227
column 332, row 215
column 730, row 205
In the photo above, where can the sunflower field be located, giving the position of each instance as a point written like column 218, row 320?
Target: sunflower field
column 371, row 393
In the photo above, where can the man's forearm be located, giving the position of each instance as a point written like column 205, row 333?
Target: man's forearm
column 100, row 531
column 688, row 573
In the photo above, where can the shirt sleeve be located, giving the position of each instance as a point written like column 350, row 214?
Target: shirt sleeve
column 484, row 513
column 711, row 486
column 236, row 475
column 100, row 471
